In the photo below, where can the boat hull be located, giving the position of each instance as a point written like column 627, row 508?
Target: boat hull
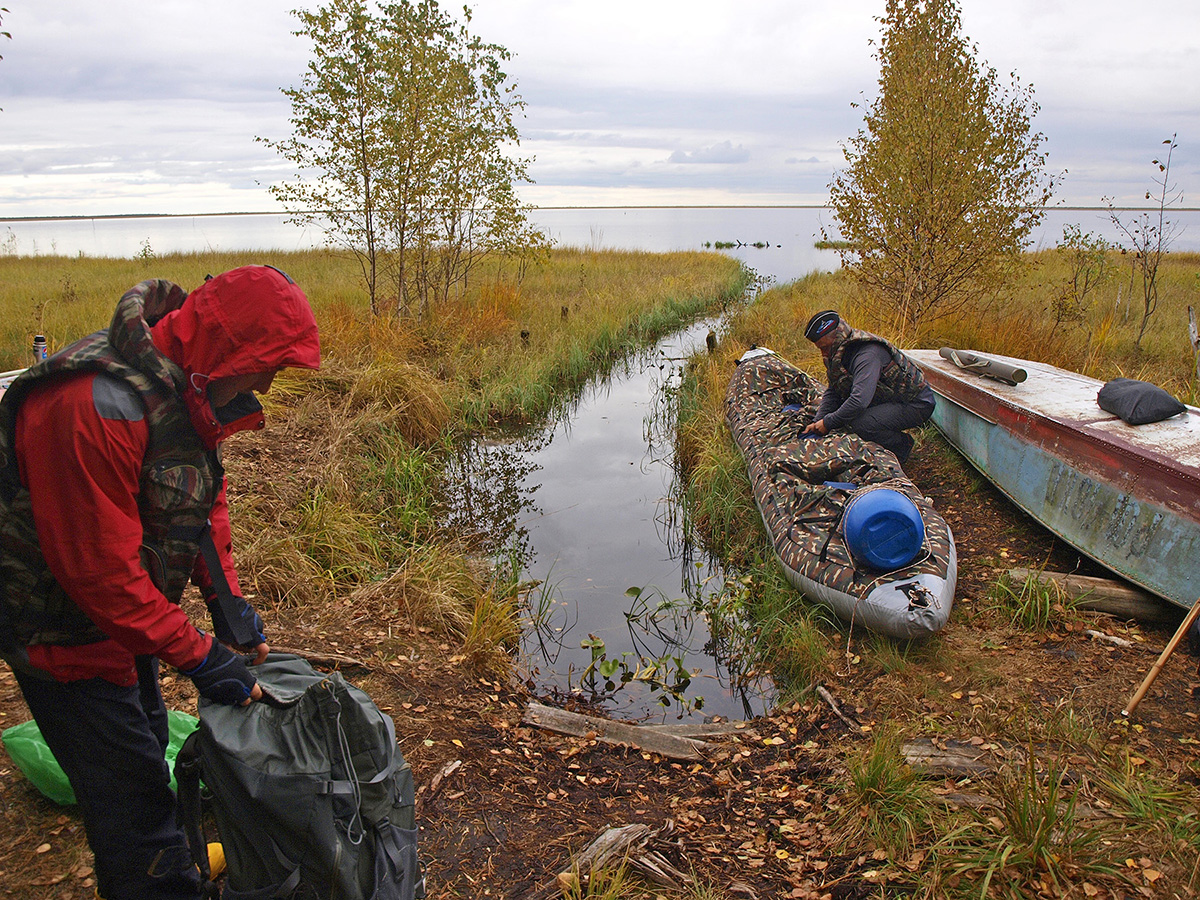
column 1126, row 496
column 799, row 487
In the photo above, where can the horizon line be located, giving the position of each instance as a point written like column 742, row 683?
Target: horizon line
column 150, row 215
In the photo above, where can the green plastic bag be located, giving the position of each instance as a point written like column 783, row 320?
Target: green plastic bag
column 28, row 750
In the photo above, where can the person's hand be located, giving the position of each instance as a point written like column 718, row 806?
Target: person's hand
column 260, row 653
column 817, row 427
column 223, row 677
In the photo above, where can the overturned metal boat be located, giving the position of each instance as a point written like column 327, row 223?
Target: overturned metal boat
column 1128, row 496
column 7, row 378
column 891, row 579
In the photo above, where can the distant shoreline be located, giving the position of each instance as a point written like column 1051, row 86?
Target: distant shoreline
column 212, row 215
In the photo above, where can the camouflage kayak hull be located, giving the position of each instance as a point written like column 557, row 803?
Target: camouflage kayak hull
column 799, row 488
column 1128, row 496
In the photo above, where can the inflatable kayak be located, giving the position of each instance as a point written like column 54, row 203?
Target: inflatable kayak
column 848, row 526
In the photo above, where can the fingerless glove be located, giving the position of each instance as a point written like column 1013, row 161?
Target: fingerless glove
column 223, row 677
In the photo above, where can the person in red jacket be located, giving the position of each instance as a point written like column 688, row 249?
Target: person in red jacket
column 112, row 497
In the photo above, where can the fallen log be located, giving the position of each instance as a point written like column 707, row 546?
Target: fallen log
column 649, row 738
column 956, row 759
column 1106, row 595
column 703, row 729
column 983, row 801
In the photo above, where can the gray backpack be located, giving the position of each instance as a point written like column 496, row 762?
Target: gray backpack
column 311, row 796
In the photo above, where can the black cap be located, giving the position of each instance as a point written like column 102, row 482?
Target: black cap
column 821, row 324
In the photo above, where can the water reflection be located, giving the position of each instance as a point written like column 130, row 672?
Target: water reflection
column 619, row 605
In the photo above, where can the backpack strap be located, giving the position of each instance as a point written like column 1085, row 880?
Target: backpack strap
column 187, row 782
column 229, row 605
column 285, row 888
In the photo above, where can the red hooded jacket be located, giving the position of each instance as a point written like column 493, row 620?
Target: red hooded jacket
column 82, row 466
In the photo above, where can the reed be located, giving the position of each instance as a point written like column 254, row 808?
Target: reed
column 886, row 802
column 1035, row 841
column 1032, row 604
column 1169, row 812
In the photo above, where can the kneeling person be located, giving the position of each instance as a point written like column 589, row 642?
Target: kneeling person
column 874, row 390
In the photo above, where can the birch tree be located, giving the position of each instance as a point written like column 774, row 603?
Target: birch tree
column 404, row 135
column 336, row 118
column 946, row 180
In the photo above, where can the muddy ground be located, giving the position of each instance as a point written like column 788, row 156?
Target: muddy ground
column 503, row 806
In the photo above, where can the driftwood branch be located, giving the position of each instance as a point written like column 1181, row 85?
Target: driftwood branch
column 824, row 694
column 957, row 759
column 324, row 660
column 1110, row 639
column 643, row 737
column 1105, row 595
column 428, row 791
column 637, row 846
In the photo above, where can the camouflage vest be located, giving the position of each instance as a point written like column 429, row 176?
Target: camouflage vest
column 178, row 482
column 899, row 382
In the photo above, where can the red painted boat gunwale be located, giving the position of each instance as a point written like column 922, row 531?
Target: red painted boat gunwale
column 1145, row 474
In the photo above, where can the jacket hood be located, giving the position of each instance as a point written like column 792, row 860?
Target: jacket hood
column 243, row 322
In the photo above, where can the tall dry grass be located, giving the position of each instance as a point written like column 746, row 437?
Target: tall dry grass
column 1036, row 839
column 338, row 505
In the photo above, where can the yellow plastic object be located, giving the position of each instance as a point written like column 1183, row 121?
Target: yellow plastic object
column 216, row 860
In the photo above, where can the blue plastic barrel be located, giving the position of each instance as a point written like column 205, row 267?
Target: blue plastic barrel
column 883, row 529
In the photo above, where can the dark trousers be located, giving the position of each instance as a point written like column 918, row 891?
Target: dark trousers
column 110, row 742
column 885, row 424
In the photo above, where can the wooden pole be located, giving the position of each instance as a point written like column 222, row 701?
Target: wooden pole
column 1158, row 664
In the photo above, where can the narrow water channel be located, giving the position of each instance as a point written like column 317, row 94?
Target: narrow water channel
column 586, row 510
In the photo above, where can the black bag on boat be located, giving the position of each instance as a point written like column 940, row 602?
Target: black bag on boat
column 310, row 793
column 1138, row 402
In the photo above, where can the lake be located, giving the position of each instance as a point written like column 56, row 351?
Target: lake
column 786, row 234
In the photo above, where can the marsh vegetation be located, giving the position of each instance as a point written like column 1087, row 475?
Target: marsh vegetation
column 341, row 536
column 1009, row 671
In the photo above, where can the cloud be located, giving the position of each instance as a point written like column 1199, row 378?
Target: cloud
column 646, row 102
column 723, row 152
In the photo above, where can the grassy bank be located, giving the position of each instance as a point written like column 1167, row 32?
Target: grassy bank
column 349, row 511
column 1060, row 818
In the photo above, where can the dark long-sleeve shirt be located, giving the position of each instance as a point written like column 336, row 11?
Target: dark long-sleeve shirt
column 866, row 364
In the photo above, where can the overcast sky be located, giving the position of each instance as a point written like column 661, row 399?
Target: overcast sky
column 138, row 107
